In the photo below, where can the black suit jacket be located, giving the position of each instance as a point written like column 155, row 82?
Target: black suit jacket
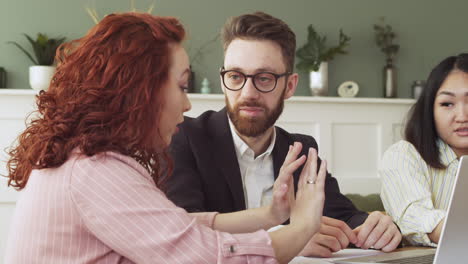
column 207, row 177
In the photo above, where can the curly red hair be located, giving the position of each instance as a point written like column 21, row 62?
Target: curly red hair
column 105, row 96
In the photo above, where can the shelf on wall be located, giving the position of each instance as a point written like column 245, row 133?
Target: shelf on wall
column 318, row 99
column 215, row 97
column 9, row 91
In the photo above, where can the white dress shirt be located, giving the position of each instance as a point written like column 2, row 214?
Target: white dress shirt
column 257, row 172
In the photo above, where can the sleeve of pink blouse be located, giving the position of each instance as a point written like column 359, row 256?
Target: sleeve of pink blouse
column 206, row 219
column 121, row 206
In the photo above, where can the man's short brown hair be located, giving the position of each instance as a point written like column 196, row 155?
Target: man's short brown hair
column 261, row 26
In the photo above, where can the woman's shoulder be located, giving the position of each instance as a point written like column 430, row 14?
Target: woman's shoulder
column 402, row 152
column 105, row 161
column 402, row 147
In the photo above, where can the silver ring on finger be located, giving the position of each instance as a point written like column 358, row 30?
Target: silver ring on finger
column 311, row 181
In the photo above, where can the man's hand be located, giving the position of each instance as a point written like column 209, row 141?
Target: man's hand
column 333, row 236
column 379, row 232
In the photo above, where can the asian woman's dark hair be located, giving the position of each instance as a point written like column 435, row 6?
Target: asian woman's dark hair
column 420, row 128
column 105, row 96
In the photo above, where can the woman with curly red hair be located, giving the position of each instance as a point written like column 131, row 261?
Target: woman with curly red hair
column 92, row 162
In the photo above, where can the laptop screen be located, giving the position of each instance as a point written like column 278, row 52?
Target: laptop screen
column 454, row 237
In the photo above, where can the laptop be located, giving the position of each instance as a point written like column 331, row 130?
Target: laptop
column 453, row 243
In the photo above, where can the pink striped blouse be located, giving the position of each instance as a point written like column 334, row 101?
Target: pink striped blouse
column 107, row 209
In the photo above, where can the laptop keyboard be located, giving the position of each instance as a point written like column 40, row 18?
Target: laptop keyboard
column 427, row 259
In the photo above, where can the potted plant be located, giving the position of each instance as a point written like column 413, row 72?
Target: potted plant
column 314, row 57
column 385, row 40
column 44, row 53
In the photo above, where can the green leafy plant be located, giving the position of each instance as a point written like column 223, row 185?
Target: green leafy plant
column 315, row 50
column 44, row 48
column 92, row 12
column 385, row 40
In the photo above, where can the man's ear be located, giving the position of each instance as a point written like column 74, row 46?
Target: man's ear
column 291, row 85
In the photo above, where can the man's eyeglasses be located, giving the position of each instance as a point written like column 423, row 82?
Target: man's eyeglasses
column 264, row 82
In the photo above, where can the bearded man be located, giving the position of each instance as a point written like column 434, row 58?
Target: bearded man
column 227, row 161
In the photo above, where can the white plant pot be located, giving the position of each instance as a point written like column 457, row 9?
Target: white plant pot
column 40, row 76
column 318, row 80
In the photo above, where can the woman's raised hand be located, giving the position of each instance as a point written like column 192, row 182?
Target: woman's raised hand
column 310, row 195
column 305, row 210
column 283, row 189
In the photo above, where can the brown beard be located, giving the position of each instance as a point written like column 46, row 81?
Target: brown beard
column 254, row 126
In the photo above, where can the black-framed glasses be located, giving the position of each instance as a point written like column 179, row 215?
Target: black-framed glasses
column 264, row 82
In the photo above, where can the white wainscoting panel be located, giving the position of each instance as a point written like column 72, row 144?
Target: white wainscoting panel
column 352, row 134
column 15, row 105
column 361, row 141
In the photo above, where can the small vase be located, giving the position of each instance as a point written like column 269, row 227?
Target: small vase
column 389, row 81
column 40, row 76
column 318, row 80
column 418, row 87
column 205, row 86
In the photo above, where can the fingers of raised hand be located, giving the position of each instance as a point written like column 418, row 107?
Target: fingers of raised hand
column 291, row 163
column 312, row 165
column 317, row 183
column 294, row 150
column 321, row 176
column 308, row 174
column 279, row 191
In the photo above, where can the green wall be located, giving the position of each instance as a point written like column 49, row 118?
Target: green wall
column 428, row 31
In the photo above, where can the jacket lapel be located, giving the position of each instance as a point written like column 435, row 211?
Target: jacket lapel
column 279, row 152
column 225, row 157
column 279, row 155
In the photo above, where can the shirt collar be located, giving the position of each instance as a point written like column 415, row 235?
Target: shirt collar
column 242, row 147
column 446, row 153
